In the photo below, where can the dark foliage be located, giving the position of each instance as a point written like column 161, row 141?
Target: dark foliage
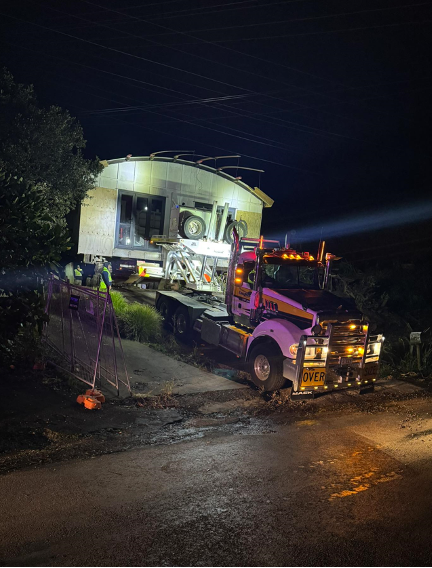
column 29, row 242
column 44, row 147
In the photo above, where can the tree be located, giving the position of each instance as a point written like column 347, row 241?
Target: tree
column 29, row 242
column 44, row 147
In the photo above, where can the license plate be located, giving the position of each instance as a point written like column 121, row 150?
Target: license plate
column 347, row 361
column 370, row 371
column 313, row 376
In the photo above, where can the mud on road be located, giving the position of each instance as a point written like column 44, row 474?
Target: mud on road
column 41, row 422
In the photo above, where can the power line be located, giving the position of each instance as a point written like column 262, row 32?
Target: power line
column 294, row 126
column 173, row 67
column 140, row 19
column 309, row 18
column 199, row 11
column 158, row 63
column 310, row 130
column 147, row 109
column 236, row 51
column 342, row 30
column 230, row 66
column 255, row 74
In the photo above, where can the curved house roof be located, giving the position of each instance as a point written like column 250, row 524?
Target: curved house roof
column 130, row 172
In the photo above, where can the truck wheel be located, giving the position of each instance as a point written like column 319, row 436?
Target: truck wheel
column 266, row 367
column 164, row 309
column 194, row 227
column 182, row 324
column 241, row 227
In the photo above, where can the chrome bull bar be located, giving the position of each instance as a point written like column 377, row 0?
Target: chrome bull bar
column 321, row 366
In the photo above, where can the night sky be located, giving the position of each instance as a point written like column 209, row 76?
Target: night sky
column 330, row 98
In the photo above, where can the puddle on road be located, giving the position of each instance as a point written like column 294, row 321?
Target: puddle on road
column 364, row 482
column 179, row 433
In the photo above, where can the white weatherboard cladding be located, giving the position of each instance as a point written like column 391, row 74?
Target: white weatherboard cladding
column 188, row 179
column 127, row 185
column 178, row 182
column 126, row 171
column 174, row 176
column 204, row 183
column 111, row 171
column 143, row 173
column 109, row 183
column 181, row 182
column 159, row 174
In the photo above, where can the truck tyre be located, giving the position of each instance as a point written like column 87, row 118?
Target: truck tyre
column 193, row 227
column 266, row 367
column 164, row 308
column 241, row 227
column 182, row 324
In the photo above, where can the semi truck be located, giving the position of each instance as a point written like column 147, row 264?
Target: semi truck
column 279, row 317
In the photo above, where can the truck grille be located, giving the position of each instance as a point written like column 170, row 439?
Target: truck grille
column 347, row 343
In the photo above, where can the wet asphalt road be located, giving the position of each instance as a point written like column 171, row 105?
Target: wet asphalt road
column 341, row 489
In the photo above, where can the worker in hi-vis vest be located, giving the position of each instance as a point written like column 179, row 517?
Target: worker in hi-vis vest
column 78, row 275
column 106, row 280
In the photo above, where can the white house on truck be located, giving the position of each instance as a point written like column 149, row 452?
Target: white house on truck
column 137, row 198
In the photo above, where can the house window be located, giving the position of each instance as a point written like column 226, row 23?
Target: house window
column 140, row 217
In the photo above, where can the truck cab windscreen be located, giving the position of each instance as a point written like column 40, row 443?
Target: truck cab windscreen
column 285, row 276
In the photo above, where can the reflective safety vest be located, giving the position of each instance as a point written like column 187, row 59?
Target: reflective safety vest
column 102, row 285
column 78, row 273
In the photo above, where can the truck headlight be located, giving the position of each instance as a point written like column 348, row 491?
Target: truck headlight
column 312, row 352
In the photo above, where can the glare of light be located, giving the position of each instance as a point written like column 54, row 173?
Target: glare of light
column 353, row 326
column 365, row 223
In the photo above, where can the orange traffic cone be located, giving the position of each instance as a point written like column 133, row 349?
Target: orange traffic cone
column 89, row 402
column 95, row 393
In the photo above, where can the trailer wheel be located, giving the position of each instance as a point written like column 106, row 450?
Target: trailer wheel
column 193, row 227
column 182, row 323
column 241, row 227
column 164, row 308
column 266, row 367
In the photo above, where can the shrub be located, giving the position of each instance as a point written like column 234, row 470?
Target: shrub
column 397, row 357
column 119, row 303
column 140, row 322
column 30, row 242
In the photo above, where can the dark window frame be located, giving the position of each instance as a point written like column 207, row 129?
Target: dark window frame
column 135, row 196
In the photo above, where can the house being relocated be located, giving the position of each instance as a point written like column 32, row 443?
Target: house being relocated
column 138, row 198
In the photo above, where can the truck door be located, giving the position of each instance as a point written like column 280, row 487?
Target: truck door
column 244, row 279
